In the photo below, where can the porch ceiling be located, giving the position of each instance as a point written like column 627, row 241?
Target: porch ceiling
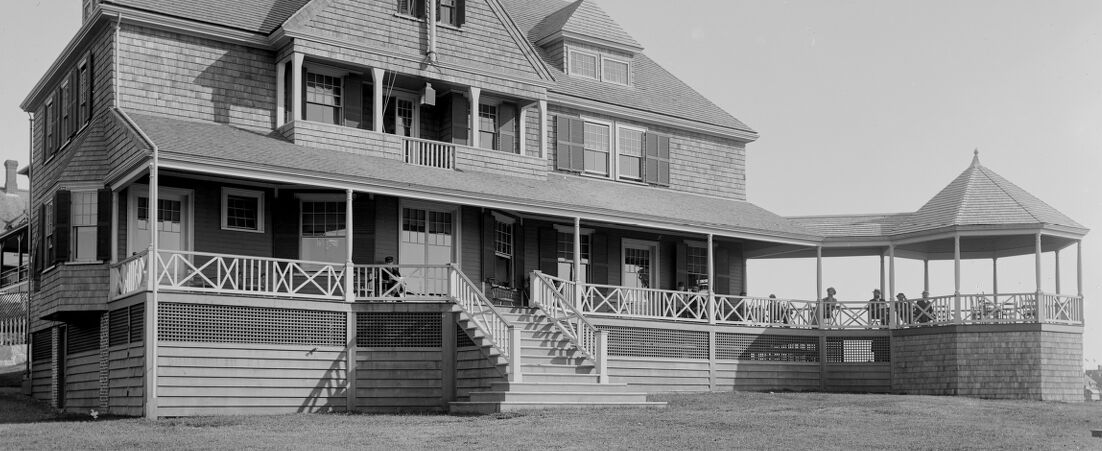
column 221, row 149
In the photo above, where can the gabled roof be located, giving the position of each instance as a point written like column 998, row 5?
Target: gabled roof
column 260, row 16
column 979, row 196
column 583, row 18
column 215, row 145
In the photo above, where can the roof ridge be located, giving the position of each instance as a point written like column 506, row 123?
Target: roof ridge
column 995, row 181
column 968, row 184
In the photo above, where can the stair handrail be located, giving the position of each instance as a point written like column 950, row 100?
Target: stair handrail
column 550, row 294
column 489, row 320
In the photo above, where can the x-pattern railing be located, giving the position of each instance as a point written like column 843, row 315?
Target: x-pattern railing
column 644, row 302
column 487, row 317
column 555, row 298
column 129, row 275
column 199, row 271
column 400, row 282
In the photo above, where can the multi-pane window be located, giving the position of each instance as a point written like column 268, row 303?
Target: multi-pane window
column 440, row 228
column 403, row 116
column 487, row 126
column 169, row 215
column 629, row 143
column 446, row 12
column 696, row 265
column 51, row 143
column 242, row 210
column 323, row 98
column 596, row 148
column 84, row 88
column 413, row 225
column 323, row 219
column 48, row 225
column 583, row 64
column 408, row 7
column 637, row 263
column 66, row 118
column 84, row 220
column 566, row 256
column 503, row 252
column 614, row 71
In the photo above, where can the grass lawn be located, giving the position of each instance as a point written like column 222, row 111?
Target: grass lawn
column 717, row 420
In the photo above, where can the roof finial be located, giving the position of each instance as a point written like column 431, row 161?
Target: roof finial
column 976, row 157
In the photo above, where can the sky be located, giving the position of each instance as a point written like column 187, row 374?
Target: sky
column 863, row 106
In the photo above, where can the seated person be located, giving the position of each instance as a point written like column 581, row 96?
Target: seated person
column 390, row 279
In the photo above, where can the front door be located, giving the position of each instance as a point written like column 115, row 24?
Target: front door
column 639, row 264
column 427, row 238
column 173, row 220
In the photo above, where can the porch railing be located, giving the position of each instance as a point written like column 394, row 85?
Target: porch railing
column 401, row 282
column 643, row 302
column 226, row 274
column 488, row 319
column 769, row 312
column 555, row 298
column 130, row 275
column 434, row 154
column 13, row 276
column 1062, row 308
column 990, row 309
column 13, row 316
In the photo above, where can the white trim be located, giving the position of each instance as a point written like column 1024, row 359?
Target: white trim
column 457, row 224
column 188, row 221
column 570, row 51
column 258, row 195
column 627, row 74
column 655, row 260
column 609, row 167
column 616, row 151
column 71, row 258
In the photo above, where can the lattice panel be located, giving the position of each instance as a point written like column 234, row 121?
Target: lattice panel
column 82, row 337
column 399, row 330
column 769, row 348
column 858, row 350
column 236, row 324
column 137, row 323
column 462, row 339
column 41, row 345
column 118, row 328
column 645, row 342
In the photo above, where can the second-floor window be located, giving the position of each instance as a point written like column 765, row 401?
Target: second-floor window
column 84, row 221
column 629, row 147
column 49, row 240
column 487, row 126
column 450, row 12
column 323, row 98
column 596, row 148
column 585, row 146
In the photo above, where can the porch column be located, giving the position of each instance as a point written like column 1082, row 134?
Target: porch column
column 1057, row 267
column 473, row 122
column 1079, row 267
column 926, row 275
column 114, row 228
column 956, row 279
column 893, row 320
column 377, row 75
column 543, row 129
column 711, row 281
column 522, row 117
column 883, row 288
column 281, row 93
column 349, row 269
column 818, row 285
column 296, row 86
column 995, row 277
column 578, row 262
column 151, row 307
column 1037, row 276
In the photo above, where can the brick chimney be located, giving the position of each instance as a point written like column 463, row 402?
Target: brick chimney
column 11, row 185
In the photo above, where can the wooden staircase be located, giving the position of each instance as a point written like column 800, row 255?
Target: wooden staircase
column 554, row 374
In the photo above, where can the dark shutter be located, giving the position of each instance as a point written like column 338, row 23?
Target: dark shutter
column 460, row 12
column 598, row 258
column 288, row 93
column 569, row 144
column 285, row 239
column 74, row 101
column 459, row 119
column 419, row 8
column 103, row 225
column 507, row 127
column 40, row 242
column 488, row 252
column 657, row 160
column 62, row 206
column 353, row 101
column 681, row 262
column 518, row 256
column 91, row 88
column 549, row 257
column 722, row 284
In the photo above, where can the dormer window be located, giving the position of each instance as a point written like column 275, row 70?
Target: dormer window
column 448, row 12
column 583, row 64
column 614, row 71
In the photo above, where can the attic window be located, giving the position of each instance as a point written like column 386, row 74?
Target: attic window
column 614, row 71
column 583, row 64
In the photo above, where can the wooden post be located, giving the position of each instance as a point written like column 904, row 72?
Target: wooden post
column 151, row 306
column 1057, row 268
column 711, row 281
column 819, row 287
column 1037, row 276
column 926, row 275
column 995, row 277
column 543, row 129
column 281, row 95
column 889, row 297
column 601, row 351
column 475, row 93
column 1079, row 267
column 515, row 366
column 349, row 267
column 956, row 279
column 296, row 86
column 885, row 293
column 449, row 358
column 350, row 359
column 578, row 263
column 522, row 123
column 377, row 78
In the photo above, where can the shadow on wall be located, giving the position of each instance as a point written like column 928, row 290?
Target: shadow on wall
column 330, row 394
column 231, row 88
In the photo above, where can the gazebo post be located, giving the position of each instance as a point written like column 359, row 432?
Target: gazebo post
column 819, row 285
column 893, row 320
column 926, row 275
column 1057, row 268
column 1079, row 267
column 1037, row 276
column 711, row 281
column 995, row 278
column 956, row 279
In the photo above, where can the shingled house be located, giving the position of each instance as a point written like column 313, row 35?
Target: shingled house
column 542, row 185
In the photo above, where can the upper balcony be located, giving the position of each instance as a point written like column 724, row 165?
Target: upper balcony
column 419, row 121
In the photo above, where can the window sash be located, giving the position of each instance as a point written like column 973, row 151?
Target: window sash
column 446, row 12
column 696, row 264
column 242, row 210
column 630, row 144
column 323, row 219
column 583, row 64
column 596, row 147
column 323, row 98
column 614, row 71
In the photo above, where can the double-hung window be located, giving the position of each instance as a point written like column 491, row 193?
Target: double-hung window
column 583, row 64
column 242, row 210
column 446, row 12
column 487, row 126
column 566, row 256
column 597, row 138
column 503, row 251
column 401, row 117
column 614, row 71
column 696, row 265
column 629, row 147
column 84, row 222
column 409, row 7
column 84, row 86
column 51, row 136
column 323, row 98
column 49, row 240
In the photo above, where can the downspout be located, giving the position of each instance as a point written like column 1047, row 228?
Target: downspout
column 430, row 6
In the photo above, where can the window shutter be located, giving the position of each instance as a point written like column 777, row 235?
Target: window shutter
column 549, row 251
column 56, row 122
column 285, row 233
column 570, row 144
column 460, row 12
column 577, row 150
column 657, row 160
column 40, row 242
column 352, row 101
column 722, row 284
column 488, row 252
column 419, row 8
column 103, row 225
column 460, row 120
column 62, row 207
column 91, row 88
column 518, row 258
column 598, row 258
column 507, row 127
column 74, row 101
column 681, row 269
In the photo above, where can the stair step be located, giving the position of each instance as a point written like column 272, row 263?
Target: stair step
column 570, row 386
column 547, row 396
column 548, row 351
column 552, row 368
column 484, row 408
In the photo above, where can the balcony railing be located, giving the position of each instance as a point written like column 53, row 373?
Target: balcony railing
column 434, row 154
column 12, row 276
